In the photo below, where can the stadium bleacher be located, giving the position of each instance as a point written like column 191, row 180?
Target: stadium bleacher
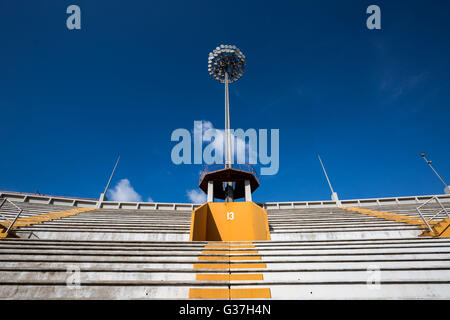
column 316, row 251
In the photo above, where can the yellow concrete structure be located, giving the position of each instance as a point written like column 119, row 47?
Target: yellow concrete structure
column 239, row 222
column 229, row 221
column 30, row 220
column 440, row 228
column 222, row 260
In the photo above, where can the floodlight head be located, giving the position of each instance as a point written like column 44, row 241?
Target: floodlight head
column 226, row 59
column 422, row 155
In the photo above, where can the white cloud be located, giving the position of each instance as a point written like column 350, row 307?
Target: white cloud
column 149, row 199
column 123, row 191
column 196, row 196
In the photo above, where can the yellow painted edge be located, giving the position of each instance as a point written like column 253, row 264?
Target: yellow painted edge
column 211, row 266
column 218, row 293
column 245, row 257
column 246, row 276
column 228, row 251
column 191, row 234
column 230, row 243
column 247, row 265
column 213, row 258
column 228, row 258
column 229, row 266
column 208, row 293
column 250, row 293
column 212, row 277
column 228, row 276
column 229, row 247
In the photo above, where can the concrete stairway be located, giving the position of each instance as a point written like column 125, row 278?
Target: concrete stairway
column 14, row 217
column 285, row 224
column 315, row 253
column 149, row 225
column 29, row 209
column 333, row 223
column 118, row 224
column 332, row 269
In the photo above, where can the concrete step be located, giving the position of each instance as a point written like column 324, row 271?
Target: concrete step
column 360, row 291
column 154, row 269
column 261, row 251
column 270, row 277
column 258, row 244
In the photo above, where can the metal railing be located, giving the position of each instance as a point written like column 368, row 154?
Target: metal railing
column 239, row 166
column 11, row 224
column 427, row 222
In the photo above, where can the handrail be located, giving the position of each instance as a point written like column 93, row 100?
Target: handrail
column 1, row 205
column 427, row 222
column 11, row 224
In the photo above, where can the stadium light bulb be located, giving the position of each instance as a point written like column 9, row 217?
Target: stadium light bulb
column 226, row 59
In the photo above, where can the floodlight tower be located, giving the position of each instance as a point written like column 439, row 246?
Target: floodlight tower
column 230, row 220
column 226, row 64
column 447, row 187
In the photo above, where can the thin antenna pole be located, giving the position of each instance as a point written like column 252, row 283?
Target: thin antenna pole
column 110, row 178
column 429, row 163
column 324, row 171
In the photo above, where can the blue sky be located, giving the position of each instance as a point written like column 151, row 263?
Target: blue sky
column 369, row 101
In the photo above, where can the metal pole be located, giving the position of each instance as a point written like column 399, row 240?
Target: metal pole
column 324, row 171
column 1, row 205
column 429, row 163
column 229, row 185
column 227, row 125
column 424, row 220
column 110, row 178
column 17, row 216
column 226, row 64
column 14, row 221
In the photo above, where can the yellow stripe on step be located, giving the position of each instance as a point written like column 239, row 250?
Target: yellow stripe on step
column 228, row 258
column 230, row 247
column 228, row 251
column 228, row 276
column 217, row 293
column 211, row 266
column 207, row 293
column 213, row 258
column 250, row 293
column 229, row 266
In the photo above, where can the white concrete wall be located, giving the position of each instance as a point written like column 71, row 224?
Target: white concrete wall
column 79, row 202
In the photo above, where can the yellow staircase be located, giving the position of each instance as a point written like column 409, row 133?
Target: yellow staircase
column 231, row 261
column 440, row 228
column 40, row 218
